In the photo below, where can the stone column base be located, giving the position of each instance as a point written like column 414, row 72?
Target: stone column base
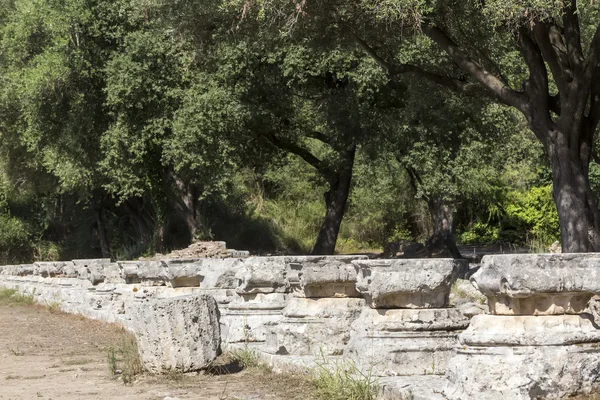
column 314, row 326
column 405, row 341
column 523, row 372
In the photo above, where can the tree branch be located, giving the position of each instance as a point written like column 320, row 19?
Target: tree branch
column 538, row 75
column 559, row 46
column 536, row 86
column 496, row 86
column 541, row 33
column 554, row 103
column 415, row 180
column 320, row 136
column 398, row 69
column 573, row 34
column 303, row 153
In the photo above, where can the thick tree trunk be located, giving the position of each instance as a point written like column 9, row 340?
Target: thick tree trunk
column 577, row 209
column 102, row 236
column 443, row 228
column 335, row 199
column 185, row 203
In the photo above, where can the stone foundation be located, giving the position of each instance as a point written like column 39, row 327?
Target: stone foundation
column 408, row 330
column 536, row 342
column 391, row 317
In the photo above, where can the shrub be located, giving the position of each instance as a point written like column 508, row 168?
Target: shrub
column 522, row 218
column 14, row 240
column 479, row 233
column 530, row 217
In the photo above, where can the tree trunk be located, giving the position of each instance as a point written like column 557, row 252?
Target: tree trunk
column 145, row 226
column 577, row 209
column 443, row 228
column 335, row 199
column 185, row 203
column 102, row 236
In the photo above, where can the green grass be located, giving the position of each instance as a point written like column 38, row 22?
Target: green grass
column 245, row 358
column 343, row 381
column 10, row 297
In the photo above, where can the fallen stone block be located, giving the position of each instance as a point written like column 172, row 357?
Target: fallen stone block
column 177, row 334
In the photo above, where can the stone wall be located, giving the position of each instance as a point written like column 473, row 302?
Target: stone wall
column 391, row 317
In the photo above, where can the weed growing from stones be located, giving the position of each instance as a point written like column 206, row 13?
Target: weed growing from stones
column 124, row 360
column 343, row 380
column 245, row 358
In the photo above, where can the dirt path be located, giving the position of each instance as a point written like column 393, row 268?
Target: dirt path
column 51, row 355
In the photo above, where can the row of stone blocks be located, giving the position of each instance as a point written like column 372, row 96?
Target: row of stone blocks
column 391, row 316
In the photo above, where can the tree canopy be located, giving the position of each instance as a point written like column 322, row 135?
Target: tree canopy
column 133, row 126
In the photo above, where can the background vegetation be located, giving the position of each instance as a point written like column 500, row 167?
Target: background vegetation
column 129, row 127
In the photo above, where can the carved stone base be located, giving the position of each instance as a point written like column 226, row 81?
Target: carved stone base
column 405, row 341
column 526, row 372
column 529, row 330
column 314, row 326
column 247, row 320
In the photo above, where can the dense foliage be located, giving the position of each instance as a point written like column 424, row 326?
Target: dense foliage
column 129, row 126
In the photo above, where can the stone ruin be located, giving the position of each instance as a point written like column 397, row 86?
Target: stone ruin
column 390, row 317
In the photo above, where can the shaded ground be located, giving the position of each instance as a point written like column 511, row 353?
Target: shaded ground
column 51, row 355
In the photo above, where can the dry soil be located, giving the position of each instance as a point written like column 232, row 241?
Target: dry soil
column 51, row 355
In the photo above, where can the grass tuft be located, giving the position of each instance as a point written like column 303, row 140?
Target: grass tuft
column 343, row 380
column 124, row 360
column 246, row 358
column 10, row 297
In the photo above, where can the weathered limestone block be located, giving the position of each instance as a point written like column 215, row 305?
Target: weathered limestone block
column 183, row 273
column 178, row 334
column 215, row 275
column 329, row 281
column 144, row 272
column 529, row 330
column 262, row 275
column 24, row 270
column 314, row 326
column 262, row 294
column 322, row 276
column 536, row 342
column 406, row 341
column 407, row 283
column 318, row 306
column 247, row 318
column 538, row 284
column 49, row 269
column 265, row 285
column 219, row 274
column 92, row 270
column 523, row 372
